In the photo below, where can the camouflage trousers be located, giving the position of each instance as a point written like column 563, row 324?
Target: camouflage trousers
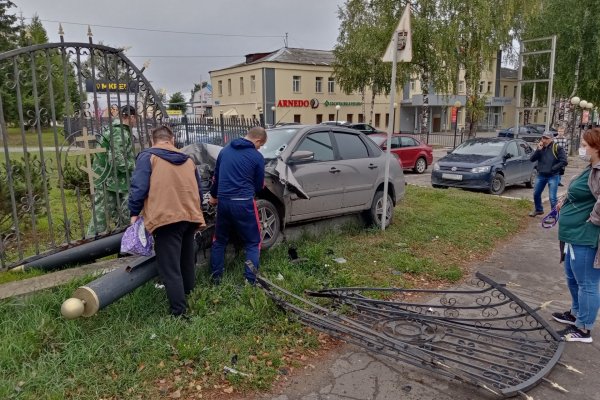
column 107, row 206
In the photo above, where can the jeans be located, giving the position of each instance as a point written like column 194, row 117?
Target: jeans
column 583, row 281
column 540, row 184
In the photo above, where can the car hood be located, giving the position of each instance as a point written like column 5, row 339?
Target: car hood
column 468, row 160
column 205, row 156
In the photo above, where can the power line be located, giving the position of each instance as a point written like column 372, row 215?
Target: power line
column 161, row 30
column 185, row 56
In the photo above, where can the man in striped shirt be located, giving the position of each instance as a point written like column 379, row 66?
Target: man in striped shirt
column 563, row 142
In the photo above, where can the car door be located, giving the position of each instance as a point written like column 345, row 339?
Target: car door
column 512, row 165
column 526, row 165
column 320, row 178
column 358, row 170
column 408, row 151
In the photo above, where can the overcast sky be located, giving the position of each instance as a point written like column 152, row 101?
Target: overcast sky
column 309, row 24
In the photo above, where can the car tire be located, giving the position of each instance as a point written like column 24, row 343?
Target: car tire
column 270, row 223
column 531, row 182
column 497, row 185
column 375, row 212
column 420, row 165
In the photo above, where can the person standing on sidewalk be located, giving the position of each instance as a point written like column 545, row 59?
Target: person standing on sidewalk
column 166, row 187
column 579, row 229
column 551, row 160
column 239, row 175
column 562, row 141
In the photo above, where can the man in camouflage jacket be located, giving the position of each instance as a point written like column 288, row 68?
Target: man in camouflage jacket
column 113, row 170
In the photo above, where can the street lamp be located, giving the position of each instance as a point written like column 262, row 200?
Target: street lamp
column 337, row 110
column 273, row 111
column 575, row 102
column 394, row 117
column 457, row 105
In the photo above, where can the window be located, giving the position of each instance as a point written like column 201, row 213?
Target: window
column 481, row 86
column 350, row 146
column 228, row 87
column 489, row 89
column 377, row 118
column 220, row 88
column 349, row 118
column 512, row 149
column 331, row 117
column 296, row 84
column 297, row 118
column 407, row 142
column 387, row 119
column 395, row 142
column 461, row 86
column 319, row 84
column 504, row 90
column 320, row 144
column 515, row 91
column 413, row 85
column 241, row 85
column 252, row 84
column 319, row 118
column 331, row 85
column 361, row 118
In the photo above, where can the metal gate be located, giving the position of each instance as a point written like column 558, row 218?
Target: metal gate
column 67, row 155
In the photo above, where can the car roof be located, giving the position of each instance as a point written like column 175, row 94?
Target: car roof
column 490, row 140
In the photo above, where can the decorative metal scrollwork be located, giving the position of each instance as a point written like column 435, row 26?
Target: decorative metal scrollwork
column 481, row 334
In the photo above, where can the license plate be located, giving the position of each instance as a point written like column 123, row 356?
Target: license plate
column 452, row 177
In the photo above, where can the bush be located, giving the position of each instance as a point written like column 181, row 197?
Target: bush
column 74, row 177
column 19, row 182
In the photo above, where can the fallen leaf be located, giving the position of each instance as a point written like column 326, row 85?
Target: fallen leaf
column 176, row 394
column 228, row 389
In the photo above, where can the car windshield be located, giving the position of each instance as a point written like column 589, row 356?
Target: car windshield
column 277, row 141
column 480, row 148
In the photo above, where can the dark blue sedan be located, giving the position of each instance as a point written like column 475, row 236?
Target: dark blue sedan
column 489, row 164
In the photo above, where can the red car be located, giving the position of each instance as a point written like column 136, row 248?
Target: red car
column 413, row 154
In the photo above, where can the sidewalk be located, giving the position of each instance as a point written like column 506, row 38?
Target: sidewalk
column 528, row 263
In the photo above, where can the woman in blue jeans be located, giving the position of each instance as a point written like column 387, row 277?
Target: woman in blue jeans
column 579, row 229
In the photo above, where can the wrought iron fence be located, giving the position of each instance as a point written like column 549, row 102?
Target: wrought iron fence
column 217, row 130
column 58, row 103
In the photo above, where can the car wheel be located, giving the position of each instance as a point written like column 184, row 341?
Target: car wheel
column 498, row 184
column 376, row 211
column 420, row 165
column 439, row 186
column 531, row 182
column 270, row 223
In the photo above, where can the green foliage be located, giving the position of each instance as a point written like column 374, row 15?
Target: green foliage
column 576, row 24
column 177, row 102
column 74, row 177
column 20, row 169
column 8, row 29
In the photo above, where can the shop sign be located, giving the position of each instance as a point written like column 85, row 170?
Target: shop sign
column 328, row 103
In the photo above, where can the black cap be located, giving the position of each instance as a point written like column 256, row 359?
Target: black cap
column 128, row 110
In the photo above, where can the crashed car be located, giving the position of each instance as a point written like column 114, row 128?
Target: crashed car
column 314, row 172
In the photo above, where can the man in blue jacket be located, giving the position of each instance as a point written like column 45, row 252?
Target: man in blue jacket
column 239, row 175
column 551, row 161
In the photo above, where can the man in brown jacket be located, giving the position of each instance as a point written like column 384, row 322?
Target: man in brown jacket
column 165, row 189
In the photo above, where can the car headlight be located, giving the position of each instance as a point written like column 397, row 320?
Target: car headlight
column 478, row 170
column 436, row 167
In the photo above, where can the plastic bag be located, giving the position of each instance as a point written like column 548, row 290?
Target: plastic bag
column 137, row 240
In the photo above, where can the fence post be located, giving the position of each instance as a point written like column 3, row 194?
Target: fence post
column 222, row 123
column 187, row 131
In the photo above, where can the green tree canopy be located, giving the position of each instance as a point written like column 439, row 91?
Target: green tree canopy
column 8, row 27
column 177, row 102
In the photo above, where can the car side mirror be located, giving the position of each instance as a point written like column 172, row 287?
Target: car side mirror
column 301, row 156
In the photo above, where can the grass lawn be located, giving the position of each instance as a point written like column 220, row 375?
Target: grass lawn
column 132, row 349
column 31, row 137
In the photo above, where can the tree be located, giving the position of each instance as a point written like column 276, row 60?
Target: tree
column 8, row 27
column 576, row 71
column 475, row 31
column 177, row 102
column 363, row 38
